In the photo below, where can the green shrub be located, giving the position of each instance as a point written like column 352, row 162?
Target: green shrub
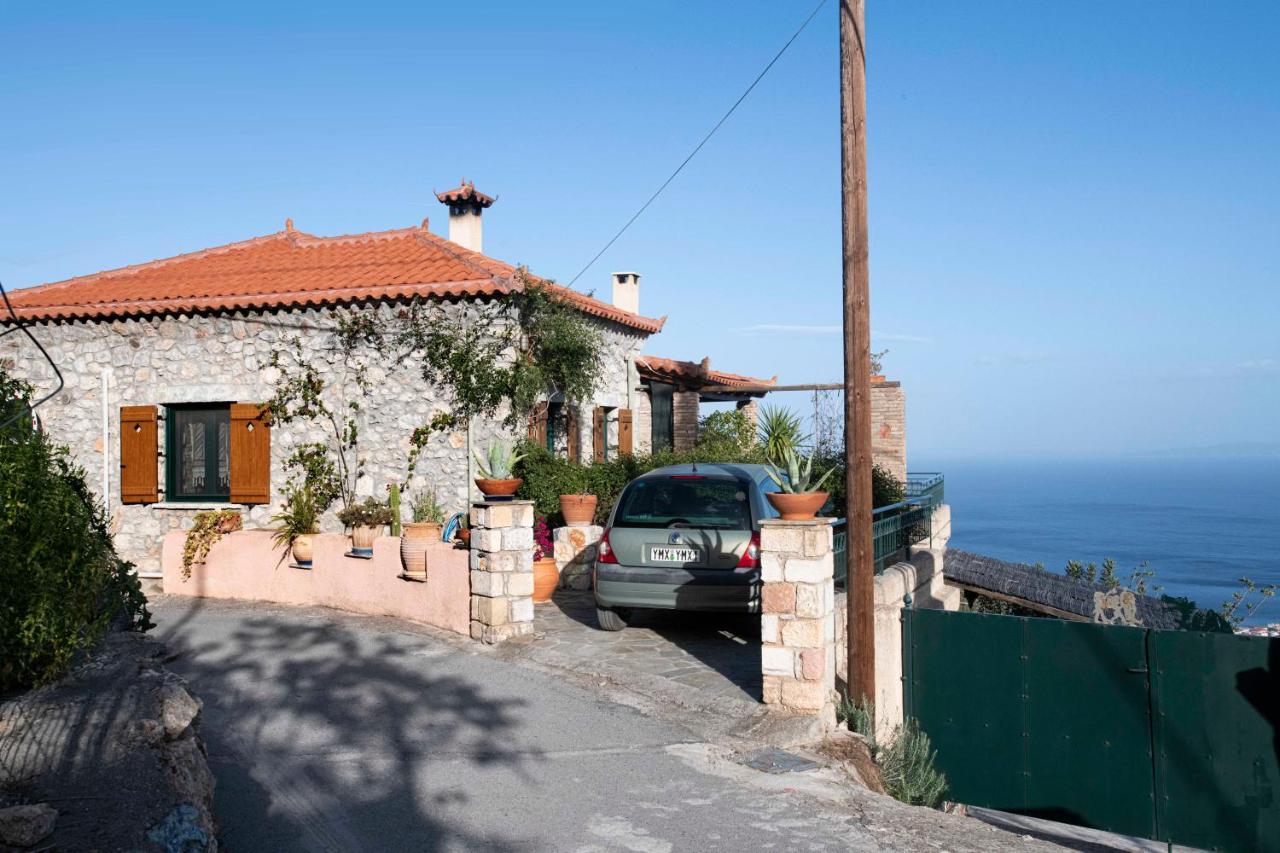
column 907, row 768
column 62, row 586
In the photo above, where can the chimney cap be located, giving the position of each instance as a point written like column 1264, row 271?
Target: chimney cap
column 465, row 195
column 626, row 273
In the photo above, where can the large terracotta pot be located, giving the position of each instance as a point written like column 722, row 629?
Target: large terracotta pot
column 499, row 488
column 304, row 549
column 362, row 536
column 414, row 540
column 545, row 578
column 578, row 509
column 797, row 507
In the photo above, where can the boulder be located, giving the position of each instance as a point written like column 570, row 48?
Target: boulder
column 25, row 826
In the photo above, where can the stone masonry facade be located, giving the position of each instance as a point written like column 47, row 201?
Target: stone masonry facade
column 684, row 419
column 501, row 570
column 889, row 427
column 227, row 358
column 797, row 623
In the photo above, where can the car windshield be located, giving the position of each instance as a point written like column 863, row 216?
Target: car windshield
column 685, row 502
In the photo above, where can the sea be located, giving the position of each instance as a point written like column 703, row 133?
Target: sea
column 1200, row 524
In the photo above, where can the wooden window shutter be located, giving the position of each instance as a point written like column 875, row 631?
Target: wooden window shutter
column 250, row 454
column 571, row 432
column 139, row 459
column 598, row 434
column 624, row 432
column 538, row 425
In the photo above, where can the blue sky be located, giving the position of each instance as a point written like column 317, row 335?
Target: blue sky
column 1075, row 207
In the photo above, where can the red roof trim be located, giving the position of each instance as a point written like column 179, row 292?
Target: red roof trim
column 666, row 369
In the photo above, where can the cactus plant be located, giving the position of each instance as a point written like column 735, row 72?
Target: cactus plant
column 393, row 501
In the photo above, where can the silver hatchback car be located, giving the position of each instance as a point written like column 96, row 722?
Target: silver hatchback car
column 685, row 537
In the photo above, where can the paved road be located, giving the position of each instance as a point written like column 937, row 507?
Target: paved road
column 334, row 732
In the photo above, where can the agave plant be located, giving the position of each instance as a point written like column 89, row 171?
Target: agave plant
column 498, row 461
column 799, row 474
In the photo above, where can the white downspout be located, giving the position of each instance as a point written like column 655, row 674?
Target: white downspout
column 106, row 443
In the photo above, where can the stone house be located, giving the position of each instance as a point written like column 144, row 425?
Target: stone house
column 167, row 364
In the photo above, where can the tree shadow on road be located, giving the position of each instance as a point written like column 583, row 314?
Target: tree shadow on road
column 325, row 738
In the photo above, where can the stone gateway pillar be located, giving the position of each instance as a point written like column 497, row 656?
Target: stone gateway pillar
column 797, row 622
column 501, row 570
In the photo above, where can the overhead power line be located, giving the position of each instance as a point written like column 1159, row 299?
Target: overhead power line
column 704, row 141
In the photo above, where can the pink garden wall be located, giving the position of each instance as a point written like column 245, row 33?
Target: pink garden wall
column 247, row 565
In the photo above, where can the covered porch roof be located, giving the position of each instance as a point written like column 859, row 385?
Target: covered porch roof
column 712, row 385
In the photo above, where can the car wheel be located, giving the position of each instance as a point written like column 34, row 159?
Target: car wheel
column 612, row 620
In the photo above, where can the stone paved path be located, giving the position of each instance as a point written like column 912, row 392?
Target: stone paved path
column 717, row 654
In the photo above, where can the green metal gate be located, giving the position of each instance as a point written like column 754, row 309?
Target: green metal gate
column 1169, row 735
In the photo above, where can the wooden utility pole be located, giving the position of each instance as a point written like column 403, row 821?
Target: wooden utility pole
column 857, row 351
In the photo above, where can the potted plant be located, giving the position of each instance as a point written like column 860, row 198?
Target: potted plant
column 366, row 521
column 464, row 531
column 800, row 496
column 578, row 508
column 207, row 528
column 495, row 468
column 296, row 525
column 428, row 516
column 545, row 574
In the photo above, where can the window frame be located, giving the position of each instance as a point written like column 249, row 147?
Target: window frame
column 173, row 456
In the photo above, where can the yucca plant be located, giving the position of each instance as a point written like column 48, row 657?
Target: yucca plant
column 780, row 430
column 498, row 462
column 799, row 474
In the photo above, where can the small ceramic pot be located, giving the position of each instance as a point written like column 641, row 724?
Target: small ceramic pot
column 499, row 488
column 304, row 549
column 414, row 541
column 362, row 537
column 800, row 507
column 578, row 509
column 545, row 579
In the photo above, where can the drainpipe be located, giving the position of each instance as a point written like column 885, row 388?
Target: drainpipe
column 106, row 443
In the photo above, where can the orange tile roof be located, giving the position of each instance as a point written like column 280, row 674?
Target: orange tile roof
column 671, row 370
column 467, row 192
column 291, row 269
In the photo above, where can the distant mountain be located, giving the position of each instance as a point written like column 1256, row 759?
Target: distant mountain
column 1232, row 450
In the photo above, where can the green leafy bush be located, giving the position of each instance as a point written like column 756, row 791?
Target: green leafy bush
column 370, row 513
column 906, row 762
column 62, row 586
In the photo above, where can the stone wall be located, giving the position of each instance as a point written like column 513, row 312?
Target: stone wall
column 889, row 427
column 642, row 422
column 165, row 360
column 922, row 577
column 684, row 415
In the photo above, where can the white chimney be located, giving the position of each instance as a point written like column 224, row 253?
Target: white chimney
column 465, row 206
column 626, row 291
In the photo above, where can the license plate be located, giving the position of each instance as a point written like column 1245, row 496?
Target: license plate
column 663, row 554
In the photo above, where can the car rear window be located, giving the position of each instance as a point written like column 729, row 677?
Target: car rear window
column 692, row 501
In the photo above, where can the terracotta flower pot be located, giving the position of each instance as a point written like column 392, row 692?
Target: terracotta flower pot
column 578, row 509
column 797, row 507
column 499, row 488
column 414, row 540
column 877, row 377
column 464, row 536
column 304, row 549
column 545, row 578
column 362, row 537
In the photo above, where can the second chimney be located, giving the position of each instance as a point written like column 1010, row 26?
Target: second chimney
column 465, row 206
column 626, row 291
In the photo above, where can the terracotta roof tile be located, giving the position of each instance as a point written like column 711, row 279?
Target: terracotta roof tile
column 467, row 193
column 293, row 269
column 671, row 370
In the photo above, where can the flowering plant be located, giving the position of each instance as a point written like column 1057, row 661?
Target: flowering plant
column 542, row 544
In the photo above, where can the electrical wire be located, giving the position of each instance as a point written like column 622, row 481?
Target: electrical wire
column 704, row 141
column 20, row 326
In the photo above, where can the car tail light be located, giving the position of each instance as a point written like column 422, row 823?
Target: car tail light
column 751, row 556
column 604, row 552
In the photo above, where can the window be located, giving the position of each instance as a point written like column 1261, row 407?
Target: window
column 663, row 426
column 198, row 452
column 692, row 500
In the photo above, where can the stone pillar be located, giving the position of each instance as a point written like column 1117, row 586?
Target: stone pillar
column 751, row 409
column 684, row 420
column 797, row 625
column 575, row 549
column 501, row 570
column 889, row 427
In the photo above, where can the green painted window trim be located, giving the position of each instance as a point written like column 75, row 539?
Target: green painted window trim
column 171, row 455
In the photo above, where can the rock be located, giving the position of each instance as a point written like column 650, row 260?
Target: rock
column 853, row 751
column 24, row 826
column 149, row 731
column 177, row 709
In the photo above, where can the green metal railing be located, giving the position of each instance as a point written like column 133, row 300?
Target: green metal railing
column 896, row 526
